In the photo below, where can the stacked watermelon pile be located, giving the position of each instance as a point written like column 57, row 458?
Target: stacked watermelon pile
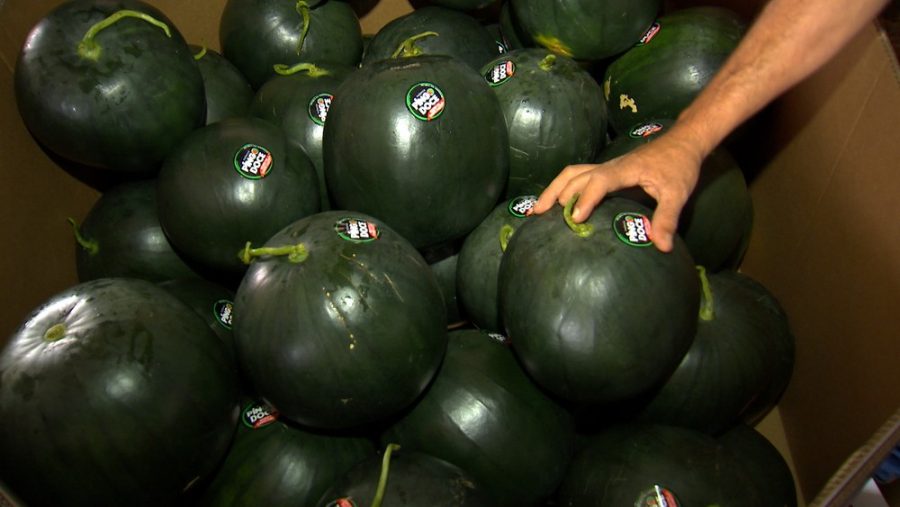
column 316, row 280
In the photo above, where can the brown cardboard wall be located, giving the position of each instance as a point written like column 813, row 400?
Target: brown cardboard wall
column 825, row 243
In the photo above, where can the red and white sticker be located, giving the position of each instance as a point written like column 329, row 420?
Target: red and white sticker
column 425, row 101
column 253, row 161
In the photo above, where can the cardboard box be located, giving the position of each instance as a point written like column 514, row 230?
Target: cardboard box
column 825, row 239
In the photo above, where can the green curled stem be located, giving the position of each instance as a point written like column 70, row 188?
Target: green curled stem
column 548, row 62
column 311, row 69
column 295, row 253
column 707, row 313
column 88, row 47
column 385, row 470
column 506, row 233
column 303, row 10
column 408, row 48
column 583, row 230
column 200, row 54
column 91, row 246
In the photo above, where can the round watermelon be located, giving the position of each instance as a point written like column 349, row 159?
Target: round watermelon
column 419, row 142
column 114, row 393
column 109, row 84
column 554, row 112
column 674, row 60
column 339, row 322
column 231, row 182
column 257, row 35
column 594, row 311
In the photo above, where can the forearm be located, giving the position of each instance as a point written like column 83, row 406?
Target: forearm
column 789, row 40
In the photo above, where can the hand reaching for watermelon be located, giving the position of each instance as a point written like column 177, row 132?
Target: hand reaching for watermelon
column 789, row 40
column 667, row 169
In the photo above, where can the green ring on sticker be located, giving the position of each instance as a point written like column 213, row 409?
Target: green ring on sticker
column 657, row 496
column 521, row 206
column 253, row 162
column 645, row 130
column 357, row 230
column 633, row 229
column 222, row 312
column 318, row 108
column 425, row 101
column 500, row 73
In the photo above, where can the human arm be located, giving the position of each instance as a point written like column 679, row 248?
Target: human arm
column 788, row 41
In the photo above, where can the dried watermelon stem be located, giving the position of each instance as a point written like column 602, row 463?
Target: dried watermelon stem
column 295, row 253
column 408, row 48
column 583, row 229
column 548, row 62
column 311, row 69
column 506, row 233
column 90, row 245
column 707, row 312
column 383, row 478
column 88, row 47
column 303, row 10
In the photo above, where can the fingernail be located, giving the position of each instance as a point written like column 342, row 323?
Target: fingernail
column 576, row 213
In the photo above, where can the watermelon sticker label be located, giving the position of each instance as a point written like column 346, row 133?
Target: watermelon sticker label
column 500, row 73
column 520, row 207
column 651, row 32
column 319, row 106
column 342, row 502
column 258, row 415
column 356, row 230
column 253, row 161
column 499, row 338
column 425, row 101
column 645, row 130
column 501, row 47
column 657, row 497
column 633, row 229
column 222, row 312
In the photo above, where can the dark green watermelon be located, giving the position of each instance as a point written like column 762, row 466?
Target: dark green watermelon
column 728, row 366
column 444, row 270
column 656, row 465
column 231, row 182
column 117, row 391
column 418, row 142
column 783, row 358
column 483, row 414
column 298, row 99
column 478, row 266
column 256, row 35
column 228, row 93
column 594, row 311
column 405, row 479
column 274, row 463
column 513, row 36
column 464, row 5
column 345, row 330
column 717, row 219
column 766, row 467
column 119, row 100
column 582, row 30
column 211, row 301
column 675, row 59
column 450, row 33
column 121, row 236
column 554, row 112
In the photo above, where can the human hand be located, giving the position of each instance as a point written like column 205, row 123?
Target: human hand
column 666, row 168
